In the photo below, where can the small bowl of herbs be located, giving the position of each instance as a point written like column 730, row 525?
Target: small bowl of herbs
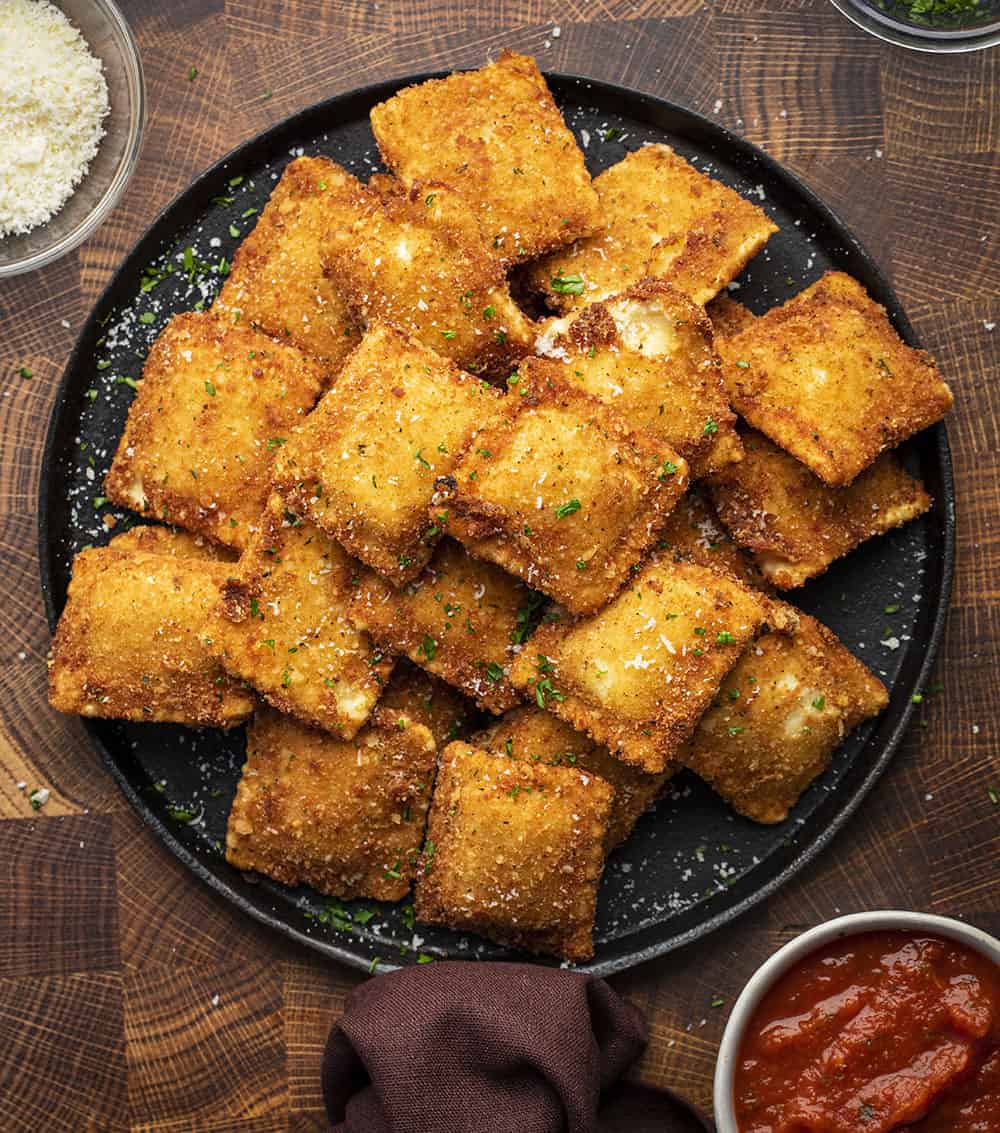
column 928, row 25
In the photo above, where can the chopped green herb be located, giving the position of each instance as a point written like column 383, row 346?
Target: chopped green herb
column 192, row 74
column 819, row 703
column 209, row 388
column 428, row 647
column 567, row 284
column 567, row 508
column 710, row 428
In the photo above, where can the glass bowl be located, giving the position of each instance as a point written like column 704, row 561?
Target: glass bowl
column 904, row 23
column 109, row 38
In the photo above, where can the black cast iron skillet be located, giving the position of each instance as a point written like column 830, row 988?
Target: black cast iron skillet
column 692, row 864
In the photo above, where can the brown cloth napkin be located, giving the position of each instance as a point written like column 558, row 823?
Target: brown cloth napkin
column 457, row 1047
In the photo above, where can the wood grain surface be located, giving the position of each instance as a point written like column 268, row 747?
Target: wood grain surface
column 133, row 998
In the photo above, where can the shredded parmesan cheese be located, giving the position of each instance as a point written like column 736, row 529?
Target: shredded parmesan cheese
column 53, row 101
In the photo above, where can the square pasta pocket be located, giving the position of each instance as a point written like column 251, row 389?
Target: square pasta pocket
column 276, row 283
column 559, row 490
column 461, row 619
column 829, row 380
column 515, row 852
column 363, row 465
column 282, row 625
column 637, row 675
column 345, row 816
column 214, row 406
column 128, row 644
column 498, row 137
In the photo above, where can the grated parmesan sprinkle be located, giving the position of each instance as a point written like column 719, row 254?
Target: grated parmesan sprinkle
column 53, row 101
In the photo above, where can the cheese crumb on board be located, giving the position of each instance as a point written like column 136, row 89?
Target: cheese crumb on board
column 53, row 101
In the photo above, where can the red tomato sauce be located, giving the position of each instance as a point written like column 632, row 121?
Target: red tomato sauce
column 875, row 1032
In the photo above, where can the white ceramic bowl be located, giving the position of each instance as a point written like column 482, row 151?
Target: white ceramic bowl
column 768, row 973
column 109, row 38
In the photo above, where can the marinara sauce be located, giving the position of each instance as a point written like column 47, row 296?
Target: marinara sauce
column 874, row 1032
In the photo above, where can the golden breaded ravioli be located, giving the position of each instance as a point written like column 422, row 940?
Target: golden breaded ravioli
column 363, row 465
column 276, row 284
column 648, row 353
column 789, row 702
column 497, row 136
column 535, row 736
column 560, row 491
column 414, row 694
column 215, row 404
column 416, row 261
column 157, row 540
column 345, row 816
column 728, row 317
column 639, row 674
column 827, row 378
column 658, row 216
column 514, row 852
column 462, row 620
column 282, row 626
column 128, row 643
column 795, row 524
column 694, row 533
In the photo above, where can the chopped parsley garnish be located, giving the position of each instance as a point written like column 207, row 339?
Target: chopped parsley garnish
column 710, row 428
column 893, row 609
column 724, row 637
column 819, row 703
column 428, row 647
column 567, row 284
column 448, row 334
column 743, row 365
column 489, row 312
column 25, row 372
column 567, row 508
column 147, row 317
column 418, row 457
column 192, row 74
column 209, row 388
column 669, row 468
column 494, row 672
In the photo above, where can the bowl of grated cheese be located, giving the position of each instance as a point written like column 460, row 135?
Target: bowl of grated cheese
column 72, row 112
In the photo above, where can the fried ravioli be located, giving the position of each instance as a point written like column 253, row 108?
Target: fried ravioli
column 282, row 626
column 658, row 216
column 345, row 816
column 779, row 716
column 514, row 852
column 128, row 642
column 694, row 533
column 276, row 283
column 156, row 540
column 728, row 317
column 648, row 353
column 461, row 620
column 417, row 262
column 559, row 490
column 827, row 378
column 529, row 734
column 363, row 465
column 497, row 136
column 639, row 674
column 214, row 405
column 416, row 695
column 796, row 525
